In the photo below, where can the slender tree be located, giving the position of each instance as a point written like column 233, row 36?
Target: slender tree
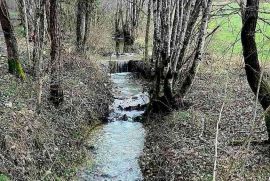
column 128, row 16
column 88, row 6
column 26, row 20
column 119, row 21
column 56, row 92
column 147, row 31
column 175, row 22
column 84, row 9
column 11, row 42
column 20, row 7
column 26, row 9
column 39, row 31
column 81, row 11
column 256, row 80
column 131, row 24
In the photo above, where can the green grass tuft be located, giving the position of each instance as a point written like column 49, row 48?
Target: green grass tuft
column 3, row 177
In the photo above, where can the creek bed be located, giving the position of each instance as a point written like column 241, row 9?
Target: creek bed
column 117, row 145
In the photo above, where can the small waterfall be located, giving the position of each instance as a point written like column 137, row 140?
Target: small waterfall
column 119, row 66
column 122, row 66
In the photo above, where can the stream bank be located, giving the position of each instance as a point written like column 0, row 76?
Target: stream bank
column 50, row 145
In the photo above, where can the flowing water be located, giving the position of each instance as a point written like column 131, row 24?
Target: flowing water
column 117, row 145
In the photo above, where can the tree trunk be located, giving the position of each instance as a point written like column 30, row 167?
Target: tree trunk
column 175, row 22
column 11, row 42
column 56, row 92
column 118, row 25
column 26, row 13
column 87, row 23
column 147, row 32
column 130, row 21
column 39, row 31
column 20, row 8
column 89, row 8
column 117, row 48
column 81, row 22
column 252, row 65
column 199, row 50
column 26, row 19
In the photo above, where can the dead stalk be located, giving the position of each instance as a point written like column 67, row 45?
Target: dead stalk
column 27, row 32
column 255, row 110
column 217, row 130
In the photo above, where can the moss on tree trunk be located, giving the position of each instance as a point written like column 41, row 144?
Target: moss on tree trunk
column 15, row 67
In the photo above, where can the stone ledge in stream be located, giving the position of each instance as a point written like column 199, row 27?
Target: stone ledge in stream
column 138, row 107
column 138, row 66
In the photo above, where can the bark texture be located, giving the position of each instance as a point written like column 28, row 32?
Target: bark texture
column 84, row 9
column 81, row 10
column 127, row 21
column 147, row 31
column 254, row 73
column 56, row 92
column 180, row 29
column 26, row 9
column 14, row 65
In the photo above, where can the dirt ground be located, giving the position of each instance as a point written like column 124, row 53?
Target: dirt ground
column 50, row 145
column 180, row 146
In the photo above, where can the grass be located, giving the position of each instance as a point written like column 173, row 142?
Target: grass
column 13, row 14
column 227, row 39
column 3, row 178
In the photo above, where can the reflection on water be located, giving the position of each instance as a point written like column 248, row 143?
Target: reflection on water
column 116, row 146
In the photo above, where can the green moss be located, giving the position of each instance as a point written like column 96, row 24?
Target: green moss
column 4, row 177
column 15, row 67
column 20, row 31
column 20, row 71
column 267, row 120
column 70, row 172
column 183, row 115
column 207, row 177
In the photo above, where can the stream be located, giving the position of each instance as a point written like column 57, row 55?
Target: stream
column 117, row 145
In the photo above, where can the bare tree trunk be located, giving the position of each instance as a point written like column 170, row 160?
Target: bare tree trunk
column 118, row 26
column 81, row 23
column 56, row 92
column 252, row 65
column 39, row 31
column 26, row 31
column 175, row 22
column 190, row 28
column 89, row 5
column 87, row 23
column 26, row 13
column 117, row 48
column 130, row 20
column 156, row 49
column 20, row 7
column 199, row 50
column 147, row 32
column 11, row 42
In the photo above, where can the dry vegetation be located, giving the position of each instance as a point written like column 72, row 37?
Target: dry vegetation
column 48, row 145
column 180, row 146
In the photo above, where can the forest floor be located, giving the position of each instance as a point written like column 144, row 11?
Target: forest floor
column 50, row 145
column 181, row 145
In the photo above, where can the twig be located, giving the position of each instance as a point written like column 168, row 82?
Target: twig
column 217, row 131
column 27, row 32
